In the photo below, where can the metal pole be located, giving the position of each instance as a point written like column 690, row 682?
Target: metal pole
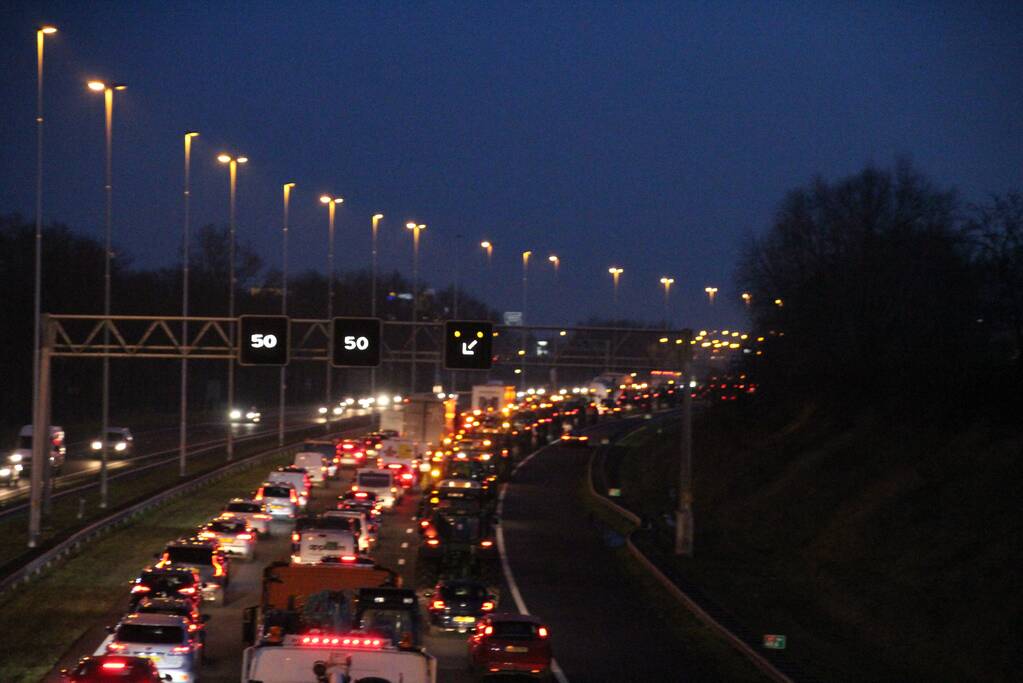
column 38, row 427
column 103, row 479
column 183, row 427
column 40, row 437
column 284, row 311
column 525, row 290
column 415, row 303
column 330, row 301
column 684, row 525
column 230, row 308
column 373, row 297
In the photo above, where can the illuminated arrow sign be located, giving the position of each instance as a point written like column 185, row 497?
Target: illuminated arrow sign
column 468, row 345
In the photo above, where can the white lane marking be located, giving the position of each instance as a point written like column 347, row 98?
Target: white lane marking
column 404, row 544
column 409, row 530
column 520, row 604
column 401, row 561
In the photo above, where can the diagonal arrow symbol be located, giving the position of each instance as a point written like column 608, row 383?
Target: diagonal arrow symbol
column 467, row 348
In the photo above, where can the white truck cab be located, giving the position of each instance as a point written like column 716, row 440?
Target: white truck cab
column 316, row 546
column 380, row 482
column 336, row 659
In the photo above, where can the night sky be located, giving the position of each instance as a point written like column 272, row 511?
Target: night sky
column 654, row 136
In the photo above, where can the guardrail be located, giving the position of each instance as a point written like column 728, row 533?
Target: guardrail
column 72, row 543
column 757, row 659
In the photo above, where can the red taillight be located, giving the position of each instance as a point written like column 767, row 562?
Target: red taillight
column 424, row 523
column 218, row 567
column 542, row 631
column 394, row 466
column 245, row 536
column 406, row 476
column 489, row 630
column 432, row 541
column 139, row 588
column 487, row 606
column 259, row 495
column 347, row 446
column 116, row 647
column 181, row 649
column 296, row 537
column 294, row 496
column 361, row 494
column 348, row 558
column 190, row 590
column 113, row 666
column 486, row 544
column 438, row 604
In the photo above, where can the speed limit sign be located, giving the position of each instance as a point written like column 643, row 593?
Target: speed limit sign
column 263, row 340
column 356, row 342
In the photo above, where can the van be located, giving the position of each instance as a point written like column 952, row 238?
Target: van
column 18, row 463
column 380, row 482
column 365, row 532
column 317, row 546
column 297, row 477
column 317, row 466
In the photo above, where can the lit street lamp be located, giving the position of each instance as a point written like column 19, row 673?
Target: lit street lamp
column 108, row 101
column 489, row 248
column 377, row 217
column 556, row 262
column 747, row 299
column 616, row 273
column 183, row 426
column 415, row 228
column 283, row 380
column 711, row 291
column 525, row 299
column 667, row 282
column 331, row 203
column 232, row 164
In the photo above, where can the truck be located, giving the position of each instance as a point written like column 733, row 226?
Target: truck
column 419, row 422
column 300, row 598
column 492, row 396
column 337, row 658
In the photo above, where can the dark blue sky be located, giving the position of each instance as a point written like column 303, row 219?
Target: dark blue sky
column 654, row 136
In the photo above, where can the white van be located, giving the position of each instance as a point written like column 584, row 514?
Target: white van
column 380, row 482
column 316, row 546
column 365, row 530
column 299, row 480
column 318, row 467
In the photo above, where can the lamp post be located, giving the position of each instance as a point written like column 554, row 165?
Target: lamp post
column 525, row 300
column 108, row 101
column 667, row 282
column 711, row 291
column 38, row 464
column 489, row 248
column 283, row 380
column 377, row 217
column 747, row 299
column 186, row 229
column 616, row 273
column 556, row 262
column 415, row 228
column 232, row 164
column 331, row 203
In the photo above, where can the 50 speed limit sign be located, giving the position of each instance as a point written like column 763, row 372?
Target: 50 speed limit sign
column 356, row 342
column 263, row 340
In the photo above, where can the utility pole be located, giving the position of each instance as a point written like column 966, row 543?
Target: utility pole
column 684, row 526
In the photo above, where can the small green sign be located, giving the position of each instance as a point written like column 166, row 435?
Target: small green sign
column 774, row 641
column 614, row 493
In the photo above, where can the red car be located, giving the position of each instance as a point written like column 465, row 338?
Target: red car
column 113, row 669
column 350, row 453
column 510, row 643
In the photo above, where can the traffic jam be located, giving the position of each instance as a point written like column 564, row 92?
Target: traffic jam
column 329, row 609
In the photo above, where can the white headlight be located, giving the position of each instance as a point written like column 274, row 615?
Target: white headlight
column 16, row 457
column 236, row 414
column 96, row 445
column 18, row 468
column 5, row 471
column 250, row 415
column 397, row 398
column 120, row 446
column 338, row 410
column 322, row 410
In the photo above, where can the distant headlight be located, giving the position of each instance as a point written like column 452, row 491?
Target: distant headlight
column 5, row 472
column 322, row 410
column 96, row 445
column 236, row 414
column 18, row 468
column 15, row 457
column 120, row 446
column 250, row 415
column 337, row 410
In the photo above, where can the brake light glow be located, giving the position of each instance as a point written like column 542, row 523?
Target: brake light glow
column 296, row 537
column 424, row 523
column 406, row 476
column 361, row 494
column 487, row 606
column 542, row 631
column 116, row 647
column 489, row 630
column 394, row 466
column 218, row 566
column 188, row 590
column 259, row 494
column 113, row 666
column 347, row 446
column 348, row 558
column 438, row 604
column 260, row 515
column 487, row 543
column 181, row 649
column 294, row 496
column 335, row 640
column 432, row 541
column 139, row 588
column 245, row 536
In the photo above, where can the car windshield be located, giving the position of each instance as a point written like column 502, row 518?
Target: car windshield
column 276, row 492
column 156, row 635
column 168, row 581
column 514, row 630
column 374, row 479
column 190, row 555
column 463, row 591
column 244, row 507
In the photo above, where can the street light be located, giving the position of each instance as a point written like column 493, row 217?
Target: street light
column 232, row 164
column 489, row 248
column 667, row 282
column 37, row 428
column 377, row 217
column 711, row 291
column 183, row 426
column 747, row 299
column 283, row 379
column 556, row 262
column 616, row 273
column 331, row 203
column 525, row 298
column 415, row 228
column 108, row 101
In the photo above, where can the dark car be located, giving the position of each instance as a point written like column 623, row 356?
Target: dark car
column 393, row 612
column 167, row 582
column 207, row 558
column 113, row 669
column 510, row 643
column 457, row 604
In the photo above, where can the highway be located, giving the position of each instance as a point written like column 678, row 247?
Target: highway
column 561, row 570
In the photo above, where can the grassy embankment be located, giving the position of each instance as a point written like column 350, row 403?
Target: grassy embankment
column 885, row 548
column 44, row 618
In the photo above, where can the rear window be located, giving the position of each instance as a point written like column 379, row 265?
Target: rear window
column 244, row 507
column 227, row 527
column 179, row 610
column 515, row 630
column 276, row 492
column 156, row 635
column 463, row 592
column 374, row 479
column 168, row 581
column 190, row 555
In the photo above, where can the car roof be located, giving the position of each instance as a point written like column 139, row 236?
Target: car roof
column 173, row 569
column 167, row 603
column 276, row 483
column 155, row 619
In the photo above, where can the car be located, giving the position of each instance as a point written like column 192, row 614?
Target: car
column 167, row 582
column 182, row 607
column 119, row 441
column 318, row 545
column 350, row 453
column 316, row 465
column 380, row 482
column 362, row 501
column 162, row 638
column 331, row 412
column 252, row 512
column 113, row 669
column 404, row 473
column 281, row 499
column 18, row 462
column 457, row 604
column 233, row 535
column 510, row 644
column 365, row 531
column 297, row 477
column 250, row 416
column 205, row 556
